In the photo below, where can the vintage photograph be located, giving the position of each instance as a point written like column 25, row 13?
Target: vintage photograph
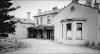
column 49, row 26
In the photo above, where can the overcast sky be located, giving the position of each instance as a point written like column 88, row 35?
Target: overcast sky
column 33, row 6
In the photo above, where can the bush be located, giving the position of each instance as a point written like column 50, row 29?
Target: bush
column 92, row 44
column 97, row 46
column 87, row 43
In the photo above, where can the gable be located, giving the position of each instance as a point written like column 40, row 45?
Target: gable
column 74, row 10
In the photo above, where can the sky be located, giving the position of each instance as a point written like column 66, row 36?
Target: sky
column 33, row 6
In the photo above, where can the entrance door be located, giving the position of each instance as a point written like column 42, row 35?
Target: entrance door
column 48, row 34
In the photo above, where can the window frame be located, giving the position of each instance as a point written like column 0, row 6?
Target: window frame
column 48, row 19
column 67, row 37
column 37, row 21
column 79, row 38
column 41, row 19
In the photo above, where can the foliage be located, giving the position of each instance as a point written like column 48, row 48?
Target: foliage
column 5, row 8
column 92, row 44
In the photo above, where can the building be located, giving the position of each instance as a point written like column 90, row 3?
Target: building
column 45, row 24
column 78, row 23
column 23, row 27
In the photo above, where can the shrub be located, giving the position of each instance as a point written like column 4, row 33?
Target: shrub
column 97, row 46
column 87, row 43
column 92, row 44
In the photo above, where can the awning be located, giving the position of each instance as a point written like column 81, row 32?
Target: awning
column 41, row 27
column 74, row 19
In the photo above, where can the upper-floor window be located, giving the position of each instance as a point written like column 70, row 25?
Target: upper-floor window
column 41, row 20
column 69, row 27
column 48, row 19
column 37, row 21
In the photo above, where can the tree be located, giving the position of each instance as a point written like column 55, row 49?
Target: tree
column 5, row 8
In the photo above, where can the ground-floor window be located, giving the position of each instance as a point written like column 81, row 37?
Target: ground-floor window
column 79, row 31
column 68, row 31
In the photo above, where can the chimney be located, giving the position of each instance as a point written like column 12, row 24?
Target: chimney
column 75, row 1
column 89, row 3
column 54, row 8
column 96, row 5
column 39, row 10
column 28, row 15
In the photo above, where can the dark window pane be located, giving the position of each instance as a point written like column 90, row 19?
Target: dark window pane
column 41, row 20
column 37, row 21
column 48, row 20
column 69, row 26
column 79, row 26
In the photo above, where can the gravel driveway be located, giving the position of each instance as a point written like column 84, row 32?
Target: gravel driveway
column 40, row 46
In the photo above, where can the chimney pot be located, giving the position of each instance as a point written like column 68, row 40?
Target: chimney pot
column 54, row 8
column 39, row 10
column 96, row 5
column 28, row 15
column 75, row 1
column 89, row 3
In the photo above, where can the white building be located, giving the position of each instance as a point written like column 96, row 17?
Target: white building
column 77, row 23
column 45, row 23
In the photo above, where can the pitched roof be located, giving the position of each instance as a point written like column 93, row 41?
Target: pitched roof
column 48, row 12
column 82, row 5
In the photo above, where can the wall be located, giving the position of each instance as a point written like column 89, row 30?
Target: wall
column 21, row 30
column 44, row 19
column 99, row 27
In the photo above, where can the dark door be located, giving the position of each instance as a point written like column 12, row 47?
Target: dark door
column 48, row 34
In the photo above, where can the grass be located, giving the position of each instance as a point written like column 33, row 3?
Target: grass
column 10, row 45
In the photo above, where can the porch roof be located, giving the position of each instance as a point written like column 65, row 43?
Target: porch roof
column 74, row 19
column 44, row 27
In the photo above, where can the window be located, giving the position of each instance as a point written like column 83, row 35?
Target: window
column 79, row 26
column 68, row 31
column 48, row 20
column 37, row 21
column 41, row 20
column 69, row 26
column 79, row 31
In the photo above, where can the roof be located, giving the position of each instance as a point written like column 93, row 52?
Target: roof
column 82, row 5
column 48, row 12
column 27, row 21
column 21, row 20
column 59, row 10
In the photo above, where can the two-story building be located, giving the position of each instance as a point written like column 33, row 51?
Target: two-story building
column 45, row 24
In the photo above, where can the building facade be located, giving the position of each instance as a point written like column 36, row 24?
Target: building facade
column 22, row 28
column 78, row 23
column 45, row 23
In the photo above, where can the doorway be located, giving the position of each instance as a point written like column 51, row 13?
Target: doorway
column 48, row 34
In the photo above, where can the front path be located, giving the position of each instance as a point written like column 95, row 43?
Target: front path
column 39, row 46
